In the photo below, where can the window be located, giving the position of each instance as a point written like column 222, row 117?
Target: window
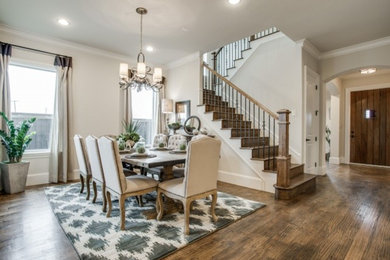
column 32, row 92
column 143, row 106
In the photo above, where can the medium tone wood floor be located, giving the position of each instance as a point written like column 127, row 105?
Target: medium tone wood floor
column 347, row 218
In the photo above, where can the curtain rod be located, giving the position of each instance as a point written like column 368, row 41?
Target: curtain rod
column 35, row 50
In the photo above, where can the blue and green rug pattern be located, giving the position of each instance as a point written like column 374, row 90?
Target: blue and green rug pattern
column 96, row 237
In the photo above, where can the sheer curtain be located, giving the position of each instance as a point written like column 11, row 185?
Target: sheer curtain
column 158, row 124
column 128, row 109
column 5, row 100
column 59, row 131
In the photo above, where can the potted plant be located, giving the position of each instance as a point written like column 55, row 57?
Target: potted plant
column 327, row 138
column 130, row 136
column 174, row 126
column 16, row 140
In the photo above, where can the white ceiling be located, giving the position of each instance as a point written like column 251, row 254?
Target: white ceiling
column 177, row 28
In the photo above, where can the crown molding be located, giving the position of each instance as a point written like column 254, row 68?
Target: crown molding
column 310, row 48
column 63, row 43
column 356, row 48
column 187, row 59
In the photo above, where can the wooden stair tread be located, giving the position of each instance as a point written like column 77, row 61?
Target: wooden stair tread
column 257, row 147
column 293, row 165
column 298, row 180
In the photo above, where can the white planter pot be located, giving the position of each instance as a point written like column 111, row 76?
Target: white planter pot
column 14, row 176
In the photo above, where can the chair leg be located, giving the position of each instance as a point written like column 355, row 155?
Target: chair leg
column 88, row 187
column 122, row 211
column 108, row 195
column 213, row 204
column 94, row 191
column 140, row 202
column 82, row 183
column 160, row 207
column 104, row 197
column 187, row 205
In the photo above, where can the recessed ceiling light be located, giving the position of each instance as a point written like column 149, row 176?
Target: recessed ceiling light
column 149, row 48
column 368, row 71
column 234, row 2
column 63, row 22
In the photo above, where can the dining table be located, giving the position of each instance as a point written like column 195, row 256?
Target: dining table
column 167, row 159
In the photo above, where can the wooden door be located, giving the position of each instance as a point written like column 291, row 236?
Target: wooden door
column 370, row 137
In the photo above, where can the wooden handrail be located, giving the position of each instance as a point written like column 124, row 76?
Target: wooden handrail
column 242, row 92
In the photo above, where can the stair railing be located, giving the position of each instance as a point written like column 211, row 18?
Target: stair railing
column 224, row 58
column 250, row 120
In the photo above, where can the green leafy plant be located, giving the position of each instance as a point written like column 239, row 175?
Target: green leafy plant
column 174, row 126
column 130, row 131
column 327, row 135
column 17, row 139
column 182, row 147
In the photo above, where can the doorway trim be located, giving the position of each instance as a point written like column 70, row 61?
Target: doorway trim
column 348, row 115
column 309, row 71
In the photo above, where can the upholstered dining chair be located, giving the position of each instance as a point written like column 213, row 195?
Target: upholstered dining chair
column 158, row 138
column 175, row 140
column 199, row 181
column 96, row 168
column 116, row 182
column 82, row 159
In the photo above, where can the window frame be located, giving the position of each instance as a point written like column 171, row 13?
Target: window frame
column 29, row 64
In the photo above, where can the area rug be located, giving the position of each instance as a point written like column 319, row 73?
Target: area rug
column 96, row 237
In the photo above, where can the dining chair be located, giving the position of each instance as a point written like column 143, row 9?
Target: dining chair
column 82, row 159
column 96, row 168
column 116, row 182
column 158, row 138
column 199, row 181
column 175, row 140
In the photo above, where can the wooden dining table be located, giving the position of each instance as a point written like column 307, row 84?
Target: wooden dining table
column 165, row 159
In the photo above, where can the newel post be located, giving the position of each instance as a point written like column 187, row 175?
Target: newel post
column 284, row 158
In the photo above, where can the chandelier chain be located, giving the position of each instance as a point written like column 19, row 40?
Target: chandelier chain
column 141, row 33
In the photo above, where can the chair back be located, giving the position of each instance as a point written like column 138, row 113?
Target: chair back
column 81, row 154
column 111, row 164
column 157, row 139
column 174, row 141
column 201, row 170
column 94, row 158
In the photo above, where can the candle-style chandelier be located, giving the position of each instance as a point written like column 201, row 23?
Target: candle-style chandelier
column 140, row 77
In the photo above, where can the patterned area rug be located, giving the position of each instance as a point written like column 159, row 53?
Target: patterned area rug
column 96, row 237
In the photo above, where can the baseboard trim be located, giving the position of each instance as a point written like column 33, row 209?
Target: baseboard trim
column 334, row 160
column 241, row 180
column 37, row 178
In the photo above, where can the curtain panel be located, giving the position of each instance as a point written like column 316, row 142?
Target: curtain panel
column 60, row 126
column 5, row 100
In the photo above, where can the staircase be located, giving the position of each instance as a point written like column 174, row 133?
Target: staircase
column 256, row 127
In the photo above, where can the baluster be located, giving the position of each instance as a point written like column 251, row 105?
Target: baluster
column 254, row 120
column 249, row 116
column 258, row 125
column 273, row 141
column 264, row 137
column 269, row 134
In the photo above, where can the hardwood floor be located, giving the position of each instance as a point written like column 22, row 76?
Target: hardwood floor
column 347, row 218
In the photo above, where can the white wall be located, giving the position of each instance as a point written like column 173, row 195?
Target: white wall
column 95, row 103
column 183, row 82
column 273, row 76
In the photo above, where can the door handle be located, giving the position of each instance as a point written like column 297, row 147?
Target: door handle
column 308, row 139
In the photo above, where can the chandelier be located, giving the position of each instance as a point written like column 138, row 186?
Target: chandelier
column 140, row 77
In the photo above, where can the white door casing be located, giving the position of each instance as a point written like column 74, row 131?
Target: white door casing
column 311, row 120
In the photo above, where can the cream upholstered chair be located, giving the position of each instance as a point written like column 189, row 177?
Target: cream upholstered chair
column 82, row 159
column 158, row 138
column 174, row 141
column 200, row 178
column 116, row 182
column 96, row 168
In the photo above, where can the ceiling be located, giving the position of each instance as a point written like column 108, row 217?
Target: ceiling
column 176, row 28
column 358, row 75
